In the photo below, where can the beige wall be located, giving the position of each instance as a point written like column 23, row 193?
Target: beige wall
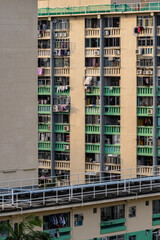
column 77, row 95
column 128, row 139
column 69, row 3
column 18, row 92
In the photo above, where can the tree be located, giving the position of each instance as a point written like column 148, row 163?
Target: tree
column 24, row 230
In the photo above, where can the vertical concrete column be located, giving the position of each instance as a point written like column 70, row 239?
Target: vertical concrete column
column 77, row 97
column 154, row 93
column 128, row 99
column 101, row 95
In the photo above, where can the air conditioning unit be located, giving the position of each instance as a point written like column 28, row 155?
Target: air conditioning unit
column 150, row 72
column 106, row 33
column 66, row 128
column 64, row 34
column 60, row 34
column 97, row 52
column 66, row 147
column 139, row 72
column 150, row 141
column 55, row 108
column 117, row 52
column 138, row 51
column 150, row 111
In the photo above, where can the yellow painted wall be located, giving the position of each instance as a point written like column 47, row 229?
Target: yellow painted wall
column 77, row 95
column 69, row 3
column 128, row 94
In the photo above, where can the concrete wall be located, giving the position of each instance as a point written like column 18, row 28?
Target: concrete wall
column 18, row 91
column 77, row 94
column 70, row 3
column 128, row 138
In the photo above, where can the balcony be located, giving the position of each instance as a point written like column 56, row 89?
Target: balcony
column 113, row 168
column 113, row 226
column 112, row 91
column 44, row 90
column 46, row 35
column 144, row 150
column 92, row 71
column 92, row 129
column 92, row 110
column 44, row 109
column 62, row 146
column 144, row 131
column 92, row 32
column 61, row 128
column 158, row 131
column 59, row 71
column 111, row 71
column 112, row 52
column 113, row 31
column 45, row 164
column 46, row 72
column 61, row 90
column 158, row 111
column 93, row 91
column 110, row 129
column 92, row 167
column 144, row 170
column 158, row 30
column 156, row 219
column 44, row 146
column 112, row 110
column 65, row 233
column 146, row 32
column 158, row 151
column 92, row 52
column 112, row 149
column 144, row 91
column 145, row 111
column 92, row 148
column 44, row 127
column 158, row 91
column 62, row 165
column 44, row 53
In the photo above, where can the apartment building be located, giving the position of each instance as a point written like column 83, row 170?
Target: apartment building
column 18, row 98
column 99, row 87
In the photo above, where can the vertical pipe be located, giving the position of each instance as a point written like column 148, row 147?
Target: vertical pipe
column 154, row 93
column 52, row 101
column 101, row 98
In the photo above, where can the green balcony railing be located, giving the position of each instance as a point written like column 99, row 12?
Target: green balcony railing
column 65, row 233
column 158, row 111
column 58, row 91
column 62, row 146
column 113, row 226
column 44, row 127
column 144, row 131
column 110, row 129
column 112, row 110
column 92, row 110
column 130, row 7
column 112, row 149
column 144, row 150
column 92, row 129
column 61, row 127
column 144, row 91
column 44, row 109
column 112, row 91
column 95, row 91
column 156, row 219
column 145, row 111
column 158, row 151
column 45, row 90
column 44, row 146
column 92, row 148
column 158, row 91
column 158, row 131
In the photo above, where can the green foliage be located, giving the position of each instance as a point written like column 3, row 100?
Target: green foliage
column 24, row 230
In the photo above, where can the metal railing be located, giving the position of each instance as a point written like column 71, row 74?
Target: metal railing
column 94, row 9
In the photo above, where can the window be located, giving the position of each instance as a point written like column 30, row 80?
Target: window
column 92, row 42
column 78, row 220
column 61, row 24
column 133, row 237
column 112, row 42
column 94, row 210
column 56, row 221
column 132, row 211
column 92, row 23
column 144, row 21
column 156, row 206
column 147, row 203
column 144, row 41
column 113, row 213
column 112, row 22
